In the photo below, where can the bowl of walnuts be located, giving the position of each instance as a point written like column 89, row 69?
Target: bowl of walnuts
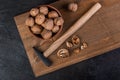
column 45, row 22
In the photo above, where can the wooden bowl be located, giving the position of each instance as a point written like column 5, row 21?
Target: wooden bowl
column 54, row 34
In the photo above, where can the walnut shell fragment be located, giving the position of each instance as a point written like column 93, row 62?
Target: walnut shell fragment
column 69, row 44
column 63, row 53
column 84, row 45
column 75, row 40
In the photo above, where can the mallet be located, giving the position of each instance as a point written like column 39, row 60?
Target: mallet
column 77, row 25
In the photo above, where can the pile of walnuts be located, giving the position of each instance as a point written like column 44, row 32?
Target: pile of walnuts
column 44, row 22
column 75, row 44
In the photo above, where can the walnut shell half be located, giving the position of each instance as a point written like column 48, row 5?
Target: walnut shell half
column 75, row 40
column 63, row 53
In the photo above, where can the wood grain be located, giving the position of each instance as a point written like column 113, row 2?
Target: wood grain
column 76, row 26
column 101, row 33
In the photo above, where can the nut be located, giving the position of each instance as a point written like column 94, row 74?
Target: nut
column 34, row 12
column 29, row 21
column 53, row 14
column 75, row 40
column 58, row 21
column 76, row 50
column 63, row 53
column 73, row 7
column 39, row 19
column 36, row 29
column 84, row 45
column 43, row 10
column 48, row 24
column 69, row 44
column 55, row 29
column 46, row 34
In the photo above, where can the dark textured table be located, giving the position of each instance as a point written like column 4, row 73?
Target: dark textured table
column 14, row 64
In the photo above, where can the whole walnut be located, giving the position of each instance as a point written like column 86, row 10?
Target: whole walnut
column 43, row 10
column 58, row 21
column 73, row 7
column 39, row 19
column 48, row 24
column 34, row 11
column 55, row 29
column 29, row 21
column 46, row 34
column 36, row 29
column 53, row 14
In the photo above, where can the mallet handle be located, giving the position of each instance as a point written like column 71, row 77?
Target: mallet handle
column 77, row 25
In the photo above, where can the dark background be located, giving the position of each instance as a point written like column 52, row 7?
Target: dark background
column 14, row 64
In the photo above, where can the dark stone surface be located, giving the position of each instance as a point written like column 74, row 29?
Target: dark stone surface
column 14, row 64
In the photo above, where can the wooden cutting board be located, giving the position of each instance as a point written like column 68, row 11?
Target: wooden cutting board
column 101, row 32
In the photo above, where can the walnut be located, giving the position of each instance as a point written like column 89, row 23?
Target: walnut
column 34, row 11
column 43, row 10
column 63, row 53
column 69, row 44
column 36, row 29
column 55, row 29
column 53, row 14
column 58, row 21
column 84, row 45
column 75, row 40
column 76, row 50
column 73, row 7
column 48, row 24
column 46, row 34
column 39, row 19
column 29, row 21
